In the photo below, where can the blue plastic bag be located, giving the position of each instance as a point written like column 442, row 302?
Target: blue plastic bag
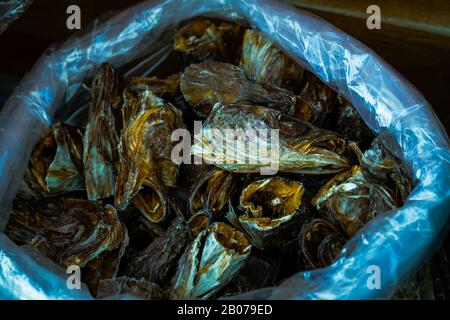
column 396, row 243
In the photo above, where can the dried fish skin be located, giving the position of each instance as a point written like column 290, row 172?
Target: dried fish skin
column 132, row 102
column 299, row 148
column 145, row 148
column 273, row 197
column 101, row 138
column 78, row 231
column 315, row 89
column 65, row 173
column 212, row 191
column 352, row 198
column 124, row 285
column 312, row 111
column 105, row 266
column 320, row 243
column 210, row 82
column 141, row 231
column 203, row 39
column 167, row 89
column 351, row 126
column 199, row 222
column 210, row 262
column 263, row 61
column 271, row 207
column 56, row 165
column 315, row 102
column 152, row 202
column 330, row 248
column 107, row 235
column 384, row 164
column 158, row 261
column 23, row 228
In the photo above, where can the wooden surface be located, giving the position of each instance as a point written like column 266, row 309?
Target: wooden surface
column 414, row 38
column 432, row 16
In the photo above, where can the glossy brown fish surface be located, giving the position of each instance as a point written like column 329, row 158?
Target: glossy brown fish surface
column 56, row 164
column 210, row 262
column 212, row 191
column 382, row 163
column 145, row 154
column 297, row 146
column 202, row 39
column 320, row 243
column 78, row 231
column 101, row 138
column 207, row 83
column 160, row 258
column 272, row 208
column 316, row 102
column 263, row 61
column 352, row 198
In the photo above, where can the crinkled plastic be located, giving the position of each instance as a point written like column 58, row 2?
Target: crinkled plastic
column 11, row 10
column 395, row 244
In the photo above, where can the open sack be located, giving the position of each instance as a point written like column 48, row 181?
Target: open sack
column 397, row 242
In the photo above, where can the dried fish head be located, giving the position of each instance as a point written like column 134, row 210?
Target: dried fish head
column 140, row 230
column 212, row 191
column 315, row 102
column 23, row 228
column 100, row 138
column 203, row 39
column 78, row 231
column 152, row 202
column 168, row 88
column 271, row 208
column 157, row 262
column 264, row 137
column 56, row 164
column 106, row 235
column 315, row 89
column 352, row 198
column 330, row 248
column 199, row 222
column 312, row 111
column 209, row 82
column 271, row 198
column 263, row 61
column 384, row 164
column 210, row 262
column 145, row 150
column 104, row 267
column 320, row 243
column 351, row 126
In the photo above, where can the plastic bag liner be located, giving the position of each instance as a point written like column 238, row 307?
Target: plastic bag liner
column 389, row 248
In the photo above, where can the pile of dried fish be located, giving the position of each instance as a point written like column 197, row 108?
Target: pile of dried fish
column 109, row 197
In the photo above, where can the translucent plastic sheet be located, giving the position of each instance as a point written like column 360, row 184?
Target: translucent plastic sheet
column 11, row 10
column 397, row 243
